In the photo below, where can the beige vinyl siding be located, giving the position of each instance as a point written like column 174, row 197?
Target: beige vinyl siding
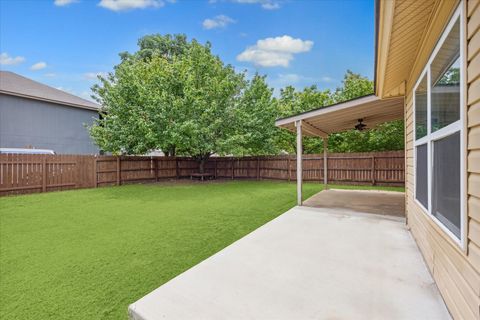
column 456, row 271
column 473, row 136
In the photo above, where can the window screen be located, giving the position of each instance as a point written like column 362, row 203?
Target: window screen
column 422, row 175
column 446, row 182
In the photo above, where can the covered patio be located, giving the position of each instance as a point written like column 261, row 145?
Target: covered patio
column 361, row 113
column 308, row 263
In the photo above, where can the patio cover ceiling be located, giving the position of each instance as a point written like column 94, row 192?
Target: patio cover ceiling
column 344, row 116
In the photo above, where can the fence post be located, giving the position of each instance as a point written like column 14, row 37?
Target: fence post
column 155, row 165
column 373, row 170
column 118, row 170
column 215, row 173
column 233, row 168
column 95, row 173
column 288, row 168
column 44, row 174
column 176, row 168
column 258, row 168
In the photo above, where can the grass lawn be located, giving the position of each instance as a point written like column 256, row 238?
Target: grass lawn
column 88, row 254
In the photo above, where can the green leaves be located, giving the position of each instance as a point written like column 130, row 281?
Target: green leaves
column 182, row 103
column 176, row 96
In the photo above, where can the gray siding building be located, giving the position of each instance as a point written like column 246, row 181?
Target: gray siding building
column 38, row 116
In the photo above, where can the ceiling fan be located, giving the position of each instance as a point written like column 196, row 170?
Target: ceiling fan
column 360, row 126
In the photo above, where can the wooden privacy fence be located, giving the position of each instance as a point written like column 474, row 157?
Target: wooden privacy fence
column 24, row 173
column 40, row 173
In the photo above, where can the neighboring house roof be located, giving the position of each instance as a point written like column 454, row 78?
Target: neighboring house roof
column 16, row 85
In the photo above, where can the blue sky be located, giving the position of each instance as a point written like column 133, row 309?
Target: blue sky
column 65, row 43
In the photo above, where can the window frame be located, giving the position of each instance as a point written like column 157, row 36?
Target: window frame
column 431, row 137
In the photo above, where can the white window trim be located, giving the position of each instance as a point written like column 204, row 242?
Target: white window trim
column 457, row 126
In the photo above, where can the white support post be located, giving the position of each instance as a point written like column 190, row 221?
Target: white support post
column 325, row 162
column 298, row 124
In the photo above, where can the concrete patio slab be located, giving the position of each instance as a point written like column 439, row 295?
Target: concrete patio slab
column 306, row 264
column 369, row 201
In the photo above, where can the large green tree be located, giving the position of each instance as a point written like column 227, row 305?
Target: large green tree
column 256, row 113
column 182, row 99
column 175, row 95
column 168, row 46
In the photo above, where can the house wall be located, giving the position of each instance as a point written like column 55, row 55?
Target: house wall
column 27, row 122
column 455, row 270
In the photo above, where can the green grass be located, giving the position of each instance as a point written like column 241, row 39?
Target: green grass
column 88, row 254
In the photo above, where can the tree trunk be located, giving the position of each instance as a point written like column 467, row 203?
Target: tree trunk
column 201, row 166
column 202, row 160
column 170, row 152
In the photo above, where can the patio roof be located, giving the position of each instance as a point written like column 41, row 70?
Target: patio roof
column 344, row 116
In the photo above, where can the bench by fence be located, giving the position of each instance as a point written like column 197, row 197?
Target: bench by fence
column 41, row 173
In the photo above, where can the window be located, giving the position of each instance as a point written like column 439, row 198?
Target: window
column 445, row 81
column 421, row 130
column 421, row 109
column 446, row 182
column 439, row 133
column 422, row 175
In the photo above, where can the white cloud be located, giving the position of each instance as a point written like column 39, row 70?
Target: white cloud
column 289, row 78
column 5, row 59
column 220, row 21
column 94, row 75
column 273, row 52
column 38, row 66
column 271, row 5
column 285, row 44
column 326, row 79
column 62, row 3
column 266, row 4
column 123, row 5
column 265, row 58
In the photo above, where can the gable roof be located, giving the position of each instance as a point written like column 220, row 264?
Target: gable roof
column 17, row 85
